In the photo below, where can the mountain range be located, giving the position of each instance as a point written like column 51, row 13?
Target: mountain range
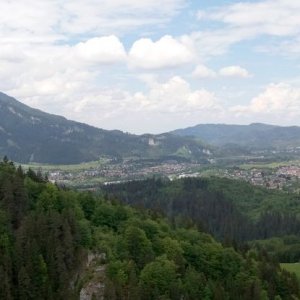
column 254, row 136
column 30, row 135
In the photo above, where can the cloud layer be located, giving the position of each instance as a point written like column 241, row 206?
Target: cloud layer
column 116, row 64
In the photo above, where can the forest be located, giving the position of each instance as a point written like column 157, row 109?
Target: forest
column 47, row 233
column 233, row 211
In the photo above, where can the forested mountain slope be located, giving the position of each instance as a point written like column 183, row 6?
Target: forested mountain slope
column 254, row 136
column 231, row 210
column 30, row 135
column 46, row 233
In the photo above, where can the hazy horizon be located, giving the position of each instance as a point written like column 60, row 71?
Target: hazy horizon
column 162, row 132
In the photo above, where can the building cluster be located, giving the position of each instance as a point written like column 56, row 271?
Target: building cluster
column 282, row 177
column 285, row 177
column 122, row 171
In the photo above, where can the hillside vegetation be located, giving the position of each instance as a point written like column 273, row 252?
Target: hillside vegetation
column 46, row 233
column 253, row 136
column 30, row 135
column 229, row 209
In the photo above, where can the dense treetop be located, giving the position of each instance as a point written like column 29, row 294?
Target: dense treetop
column 229, row 209
column 46, row 233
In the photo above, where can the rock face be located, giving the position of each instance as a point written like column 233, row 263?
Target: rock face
column 94, row 287
column 93, row 291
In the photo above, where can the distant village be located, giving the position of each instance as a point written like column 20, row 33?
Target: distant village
column 116, row 172
column 282, row 178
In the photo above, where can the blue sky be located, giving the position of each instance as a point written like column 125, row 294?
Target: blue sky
column 154, row 66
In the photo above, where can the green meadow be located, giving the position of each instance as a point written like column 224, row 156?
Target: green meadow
column 292, row 267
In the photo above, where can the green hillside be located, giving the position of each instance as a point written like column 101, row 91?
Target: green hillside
column 231, row 210
column 57, row 244
column 30, row 135
column 254, row 136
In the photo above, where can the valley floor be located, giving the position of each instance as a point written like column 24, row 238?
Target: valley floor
column 284, row 175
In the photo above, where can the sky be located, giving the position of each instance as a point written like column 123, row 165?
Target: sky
column 153, row 66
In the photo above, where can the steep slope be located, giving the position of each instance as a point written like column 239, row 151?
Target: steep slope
column 30, row 135
column 255, row 135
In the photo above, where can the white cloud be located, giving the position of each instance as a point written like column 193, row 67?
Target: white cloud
column 176, row 95
column 50, row 20
column 289, row 47
column 161, row 107
column 101, row 50
column 279, row 102
column 111, row 16
column 49, row 69
column 234, row 71
column 164, row 53
column 274, row 17
column 69, row 57
column 202, row 71
column 248, row 20
column 11, row 53
column 217, row 42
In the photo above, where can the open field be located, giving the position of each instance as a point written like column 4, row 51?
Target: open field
column 272, row 165
column 74, row 168
column 292, row 267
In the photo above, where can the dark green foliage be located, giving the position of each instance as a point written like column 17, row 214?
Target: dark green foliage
column 39, row 237
column 286, row 249
column 232, row 211
column 45, row 233
column 137, row 246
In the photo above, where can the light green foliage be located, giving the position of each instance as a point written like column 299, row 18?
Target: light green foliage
column 173, row 250
column 292, row 267
column 158, row 278
column 137, row 245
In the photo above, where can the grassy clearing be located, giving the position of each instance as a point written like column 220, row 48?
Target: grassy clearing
column 71, row 168
column 292, row 267
column 273, row 165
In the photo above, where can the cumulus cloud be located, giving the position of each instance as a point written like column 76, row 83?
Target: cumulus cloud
column 69, row 57
column 202, row 71
column 161, row 107
column 101, row 50
column 280, row 101
column 234, row 71
column 56, row 68
column 164, row 53
column 176, row 95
